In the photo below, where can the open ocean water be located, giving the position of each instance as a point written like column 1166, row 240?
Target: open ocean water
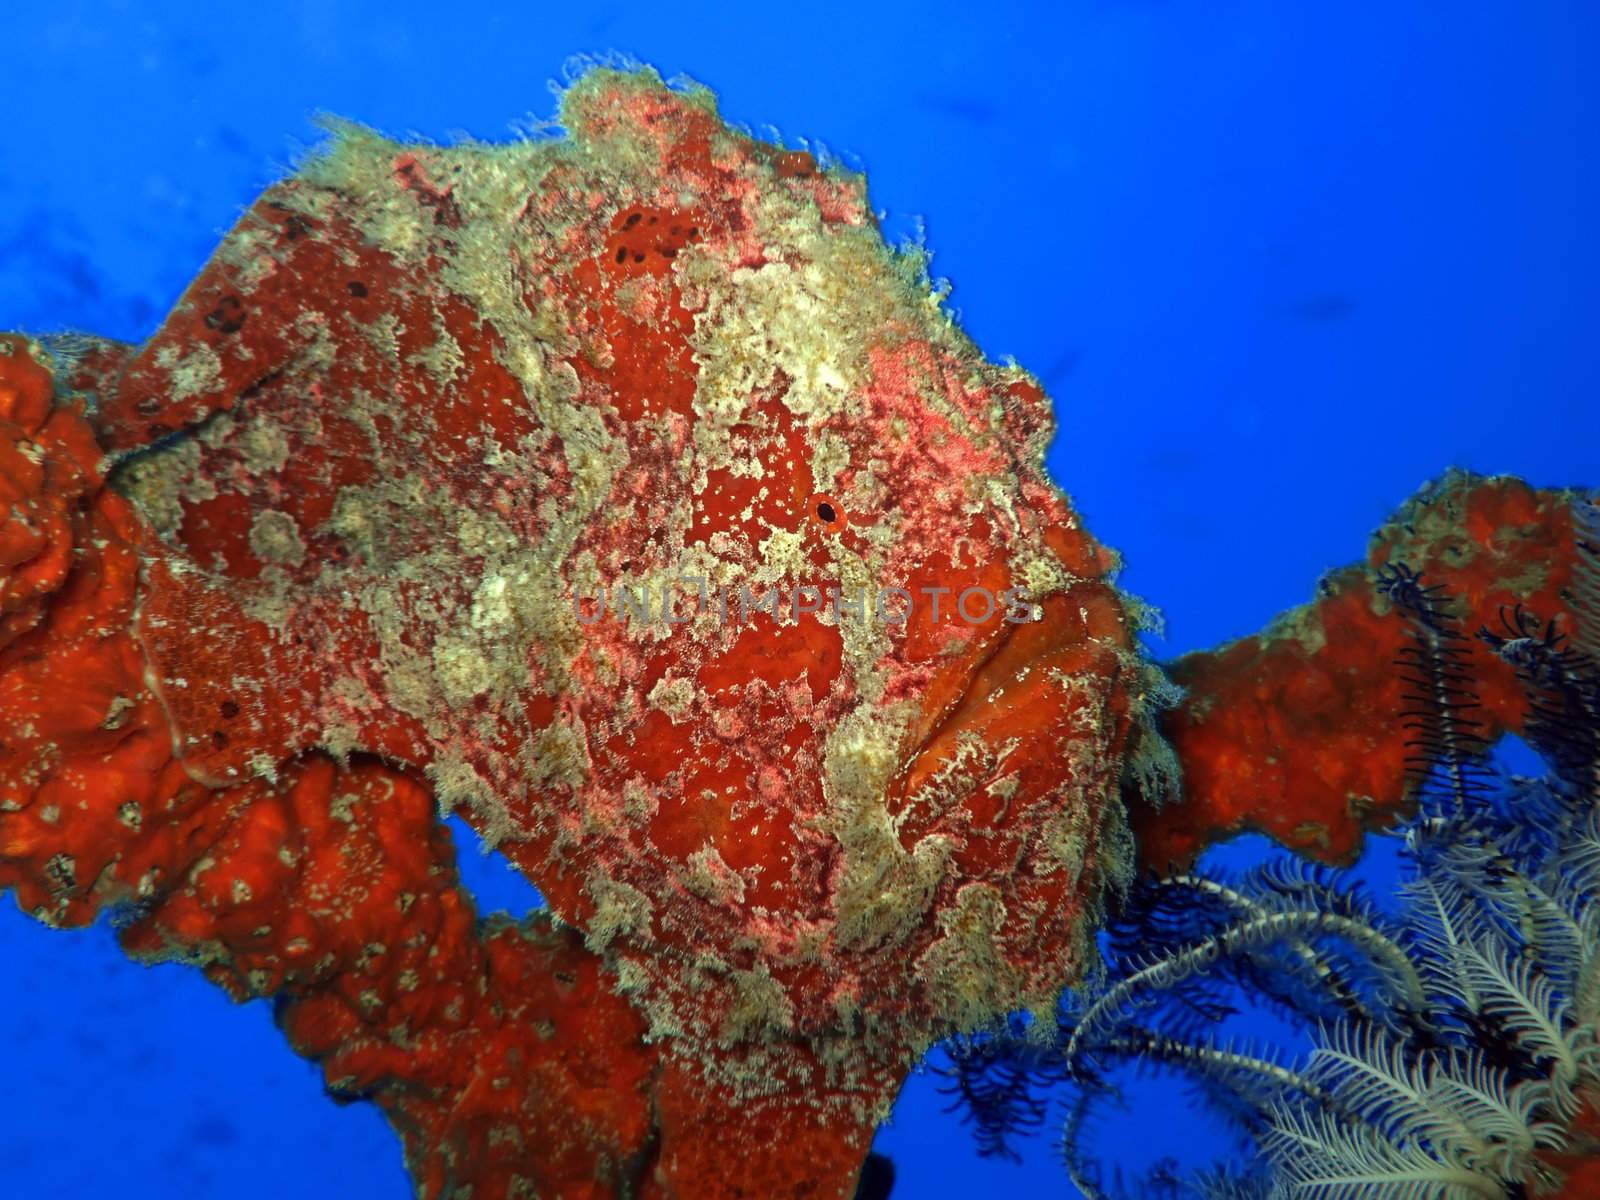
column 1278, row 262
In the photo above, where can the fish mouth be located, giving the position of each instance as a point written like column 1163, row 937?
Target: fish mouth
column 1014, row 709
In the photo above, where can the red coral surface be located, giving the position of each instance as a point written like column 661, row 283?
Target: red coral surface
column 1296, row 731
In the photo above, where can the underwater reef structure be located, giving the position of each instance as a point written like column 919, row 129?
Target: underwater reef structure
column 625, row 491
column 1454, row 1037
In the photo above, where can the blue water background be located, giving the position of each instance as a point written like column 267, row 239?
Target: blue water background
column 1277, row 261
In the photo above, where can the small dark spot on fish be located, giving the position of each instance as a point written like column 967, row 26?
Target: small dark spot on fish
column 356, row 289
column 228, row 316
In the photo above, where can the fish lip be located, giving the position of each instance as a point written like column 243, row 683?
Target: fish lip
column 1068, row 620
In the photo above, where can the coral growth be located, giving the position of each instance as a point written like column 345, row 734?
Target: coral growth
column 1319, row 683
column 329, row 885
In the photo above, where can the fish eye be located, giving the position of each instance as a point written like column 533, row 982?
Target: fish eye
column 828, row 512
